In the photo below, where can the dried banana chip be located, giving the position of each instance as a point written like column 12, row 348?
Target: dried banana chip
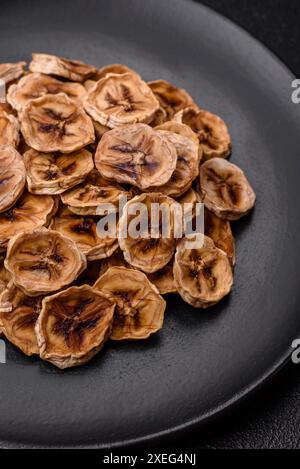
column 36, row 85
column 212, row 132
column 73, row 70
column 73, row 326
column 5, row 276
column 29, row 213
column 144, row 252
column 18, row 315
column 9, row 129
column 88, row 196
column 171, row 98
column 56, row 123
column 55, row 173
column 136, row 155
column 117, row 69
column 164, row 280
column 121, row 99
column 226, row 190
column 43, row 261
column 139, row 307
column 12, row 71
column 187, row 167
column 220, row 232
column 12, row 177
column 203, row 276
column 83, row 231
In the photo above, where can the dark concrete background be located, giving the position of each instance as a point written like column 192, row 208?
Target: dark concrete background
column 271, row 417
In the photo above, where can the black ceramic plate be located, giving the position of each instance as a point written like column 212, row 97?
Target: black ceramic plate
column 202, row 362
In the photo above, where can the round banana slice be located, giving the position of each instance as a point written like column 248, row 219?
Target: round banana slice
column 73, row 70
column 29, row 213
column 55, row 173
column 212, row 132
column 121, row 99
column 171, row 98
column 9, row 129
column 36, row 85
column 187, row 168
column 5, row 276
column 139, row 307
column 12, row 176
column 220, row 232
column 56, row 123
column 226, row 190
column 18, row 315
column 43, row 261
column 95, row 191
column 203, row 276
column 164, row 280
column 136, row 155
column 73, row 326
column 12, row 71
column 83, row 231
column 142, row 251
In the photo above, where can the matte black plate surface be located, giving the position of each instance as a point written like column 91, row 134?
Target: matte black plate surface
column 202, row 362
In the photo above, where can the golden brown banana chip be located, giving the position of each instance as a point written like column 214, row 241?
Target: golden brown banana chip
column 164, row 280
column 171, row 98
column 136, row 155
column 145, row 252
column 187, row 167
column 56, row 123
column 36, row 85
column 121, row 99
column 43, row 261
column 95, row 191
column 212, row 132
column 220, row 232
column 5, row 276
column 18, row 315
column 29, row 213
column 226, row 190
column 9, row 129
column 12, row 71
column 83, row 231
column 12, row 177
column 73, row 326
column 54, row 173
column 203, row 276
column 139, row 307
column 73, row 70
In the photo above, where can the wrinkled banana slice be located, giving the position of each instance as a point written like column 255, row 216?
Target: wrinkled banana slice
column 5, row 276
column 139, row 307
column 220, row 232
column 73, row 326
column 12, row 71
column 12, row 177
column 187, row 167
column 147, row 253
column 73, row 70
column 95, row 191
column 43, row 261
column 226, row 190
column 18, row 315
column 36, row 85
column 171, row 98
column 121, row 99
column 203, row 276
column 136, row 155
column 164, row 280
column 29, row 213
column 83, row 231
column 56, row 123
column 55, row 173
column 9, row 129
column 212, row 132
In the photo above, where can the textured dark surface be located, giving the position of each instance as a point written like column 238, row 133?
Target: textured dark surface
column 200, row 361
